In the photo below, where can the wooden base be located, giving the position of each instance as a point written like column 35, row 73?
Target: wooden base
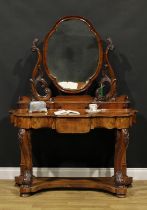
column 102, row 183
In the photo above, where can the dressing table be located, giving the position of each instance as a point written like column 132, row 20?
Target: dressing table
column 72, row 59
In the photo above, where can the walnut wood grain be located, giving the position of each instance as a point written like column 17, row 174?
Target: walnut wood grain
column 107, row 77
column 37, row 77
column 115, row 113
column 26, row 159
column 119, row 119
column 101, row 183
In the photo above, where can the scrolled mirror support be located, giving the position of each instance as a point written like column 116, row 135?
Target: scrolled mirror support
column 37, row 76
column 106, row 89
column 107, row 76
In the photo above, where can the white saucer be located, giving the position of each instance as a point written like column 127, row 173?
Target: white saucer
column 94, row 111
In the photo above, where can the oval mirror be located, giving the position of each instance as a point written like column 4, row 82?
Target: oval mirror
column 72, row 54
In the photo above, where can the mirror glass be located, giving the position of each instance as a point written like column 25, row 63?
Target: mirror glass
column 72, row 54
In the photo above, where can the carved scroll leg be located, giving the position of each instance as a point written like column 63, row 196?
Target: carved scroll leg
column 128, row 180
column 25, row 178
column 122, row 138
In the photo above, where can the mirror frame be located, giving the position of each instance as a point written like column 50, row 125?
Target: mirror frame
column 45, row 48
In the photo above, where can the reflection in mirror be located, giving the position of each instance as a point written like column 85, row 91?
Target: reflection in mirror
column 72, row 54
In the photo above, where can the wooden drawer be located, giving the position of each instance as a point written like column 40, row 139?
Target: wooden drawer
column 72, row 125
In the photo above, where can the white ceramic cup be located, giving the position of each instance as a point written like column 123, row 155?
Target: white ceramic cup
column 92, row 107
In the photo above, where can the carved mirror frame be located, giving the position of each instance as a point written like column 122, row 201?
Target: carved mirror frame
column 103, row 65
column 100, row 58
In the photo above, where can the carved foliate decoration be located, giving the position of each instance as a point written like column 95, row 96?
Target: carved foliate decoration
column 126, row 136
column 108, row 77
column 55, row 70
column 27, row 178
column 26, row 164
column 122, row 141
column 20, row 134
column 38, row 78
column 119, row 180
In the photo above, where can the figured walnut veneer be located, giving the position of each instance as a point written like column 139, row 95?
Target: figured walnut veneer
column 115, row 113
column 118, row 119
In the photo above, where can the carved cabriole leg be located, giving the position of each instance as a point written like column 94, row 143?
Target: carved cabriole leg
column 25, row 178
column 120, row 177
column 127, row 180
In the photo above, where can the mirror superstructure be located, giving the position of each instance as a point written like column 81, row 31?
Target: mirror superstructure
column 72, row 53
column 73, row 57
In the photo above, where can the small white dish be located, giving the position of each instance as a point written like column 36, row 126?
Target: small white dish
column 66, row 112
column 93, row 111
